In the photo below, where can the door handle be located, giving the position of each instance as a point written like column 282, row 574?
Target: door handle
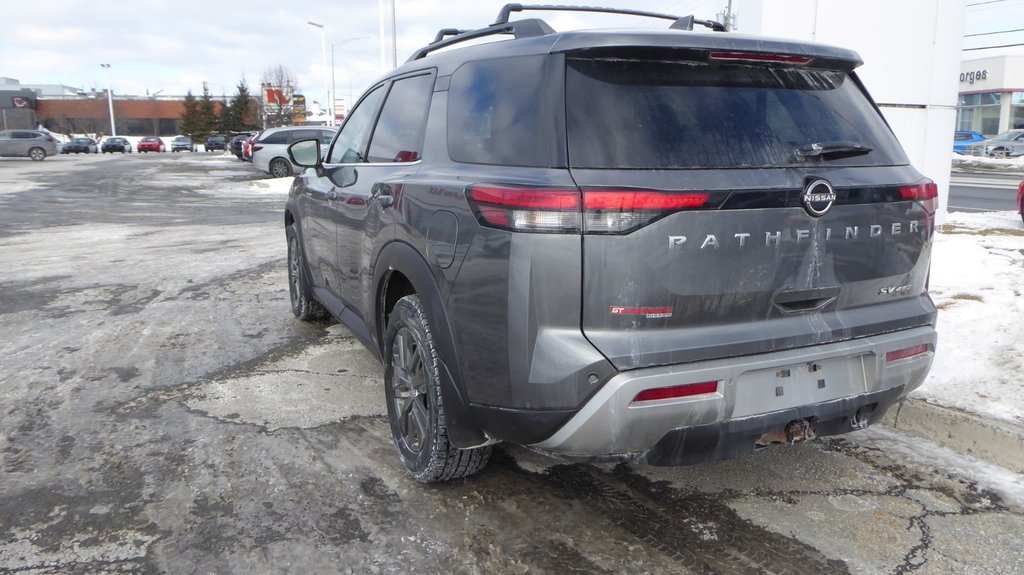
column 332, row 195
column 382, row 194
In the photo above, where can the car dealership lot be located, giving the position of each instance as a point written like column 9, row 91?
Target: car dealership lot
column 162, row 411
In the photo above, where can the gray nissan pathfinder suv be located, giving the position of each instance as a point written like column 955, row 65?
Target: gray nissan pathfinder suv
column 647, row 245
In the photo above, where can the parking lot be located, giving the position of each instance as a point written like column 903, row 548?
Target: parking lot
column 163, row 411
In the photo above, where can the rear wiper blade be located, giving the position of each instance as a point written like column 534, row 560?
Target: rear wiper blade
column 826, row 150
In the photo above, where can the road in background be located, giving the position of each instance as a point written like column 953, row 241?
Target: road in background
column 983, row 192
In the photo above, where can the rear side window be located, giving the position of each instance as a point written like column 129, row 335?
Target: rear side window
column 398, row 136
column 501, row 112
column 276, row 138
column 670, row 114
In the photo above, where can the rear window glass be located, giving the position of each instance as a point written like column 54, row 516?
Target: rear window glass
column 669, row 114
column 498, row 113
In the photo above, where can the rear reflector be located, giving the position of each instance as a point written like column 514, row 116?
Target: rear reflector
column 906, row 352
column 756, row 57
column 677, row 391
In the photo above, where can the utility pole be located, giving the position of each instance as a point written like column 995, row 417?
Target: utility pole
column 110, row 100
column 728, row 18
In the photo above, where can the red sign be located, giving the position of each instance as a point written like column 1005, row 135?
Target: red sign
column 276, row 96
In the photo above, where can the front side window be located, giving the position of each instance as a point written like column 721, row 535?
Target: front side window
column 349, row 145
column 663, row 114
column 398, row 136
column 276, row 138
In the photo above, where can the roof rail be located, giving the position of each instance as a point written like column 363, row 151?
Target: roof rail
column 534, row 27
column 679, row 22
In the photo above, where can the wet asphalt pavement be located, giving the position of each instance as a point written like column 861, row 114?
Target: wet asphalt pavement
column 161, row 411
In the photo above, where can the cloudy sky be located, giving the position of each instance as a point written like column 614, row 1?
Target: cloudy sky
column 168, row 47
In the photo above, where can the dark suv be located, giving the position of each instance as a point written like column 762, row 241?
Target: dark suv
column 640, row 245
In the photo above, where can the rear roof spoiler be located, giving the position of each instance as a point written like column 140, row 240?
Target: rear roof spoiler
column 534, row 27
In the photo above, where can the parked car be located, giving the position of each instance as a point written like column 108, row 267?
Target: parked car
column 1009, row 144
column 151, row 144
column 746, row 265
column 270, row 150
column 116, row 144
column 235, row 145
column 963, row 139
column 27, row 143
column 80, row 146
column 247, row 147
column 215, row 142
column 1020, row 200
column 182, row 144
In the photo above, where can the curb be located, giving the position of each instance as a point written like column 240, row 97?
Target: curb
column 994, row 441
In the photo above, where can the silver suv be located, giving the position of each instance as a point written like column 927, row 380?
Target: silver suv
column 270, row 150
column 27, row 143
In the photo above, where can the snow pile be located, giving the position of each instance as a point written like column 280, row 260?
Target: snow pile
column 974, row 163
column 977, row 282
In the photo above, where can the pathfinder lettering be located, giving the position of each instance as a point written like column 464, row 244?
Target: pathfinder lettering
column 775, row 239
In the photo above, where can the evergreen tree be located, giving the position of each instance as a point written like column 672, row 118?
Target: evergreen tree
column 242, row 111
column 190, row 115
column 207, row 120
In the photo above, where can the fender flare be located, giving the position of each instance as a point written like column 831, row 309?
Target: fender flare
column 463, row 430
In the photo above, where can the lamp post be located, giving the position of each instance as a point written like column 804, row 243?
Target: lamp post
column 110, row 100
column 334, row 90
column 323, row 57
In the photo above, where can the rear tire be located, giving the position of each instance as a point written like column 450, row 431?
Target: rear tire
column 279, row 168
column 304, row 305
column 415, row 406
column 37, row 154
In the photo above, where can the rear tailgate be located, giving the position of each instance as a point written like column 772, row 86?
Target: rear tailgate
column 736, row 208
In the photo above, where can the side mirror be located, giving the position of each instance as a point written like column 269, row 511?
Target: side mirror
column 305, row 153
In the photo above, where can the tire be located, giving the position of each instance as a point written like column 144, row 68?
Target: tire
column 415, row 405
column 999, row 153
column 304, row 305
column 37, row 154
column 279, row 168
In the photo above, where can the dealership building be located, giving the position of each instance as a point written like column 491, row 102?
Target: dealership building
column 991, row 95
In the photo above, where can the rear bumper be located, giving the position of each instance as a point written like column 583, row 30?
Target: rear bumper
column 838, row 387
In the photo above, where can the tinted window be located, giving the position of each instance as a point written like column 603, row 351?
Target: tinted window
column 398, row 136
column 25, row 135
column 275, row 138
column 497, row 113
column 663, row 114
column 349, row 145
column 326, row 136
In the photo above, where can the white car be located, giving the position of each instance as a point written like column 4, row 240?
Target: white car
column 270, row 151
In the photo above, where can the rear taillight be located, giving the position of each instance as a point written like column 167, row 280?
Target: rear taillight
column 622, row 211
column 675, row 391
column 527, row 209
column 567, row 210
column 256, row 148
column 760, row 57
column 925, row 191
column 906, row 352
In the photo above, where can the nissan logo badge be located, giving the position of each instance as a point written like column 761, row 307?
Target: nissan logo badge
column 818, row 198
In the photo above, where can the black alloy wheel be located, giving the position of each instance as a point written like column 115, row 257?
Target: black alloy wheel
column 304, row 305
column 415, row 403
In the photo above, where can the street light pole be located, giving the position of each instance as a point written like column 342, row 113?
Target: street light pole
column 323, row 58
column 334, row 89
column 110, row 100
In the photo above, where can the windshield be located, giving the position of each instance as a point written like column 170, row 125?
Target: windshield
column 81, row 140
column 1007, row 136
column 625, row 113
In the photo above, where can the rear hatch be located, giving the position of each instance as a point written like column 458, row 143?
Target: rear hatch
column 739, row 203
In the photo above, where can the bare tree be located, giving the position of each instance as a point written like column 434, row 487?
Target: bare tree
column 279, row 84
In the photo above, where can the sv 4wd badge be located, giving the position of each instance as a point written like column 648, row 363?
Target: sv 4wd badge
column 895, row 290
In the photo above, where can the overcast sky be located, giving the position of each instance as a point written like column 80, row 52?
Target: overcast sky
column 173, row 46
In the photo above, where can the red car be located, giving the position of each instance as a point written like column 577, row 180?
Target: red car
column 247, row 147
column 151, row 144
column 1020, row 199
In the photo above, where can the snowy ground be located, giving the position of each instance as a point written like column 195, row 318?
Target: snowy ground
column 977, row 282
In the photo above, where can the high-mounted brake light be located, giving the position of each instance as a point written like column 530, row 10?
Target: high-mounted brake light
column 675, row 391
column 757, row 57
column 906, row 352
